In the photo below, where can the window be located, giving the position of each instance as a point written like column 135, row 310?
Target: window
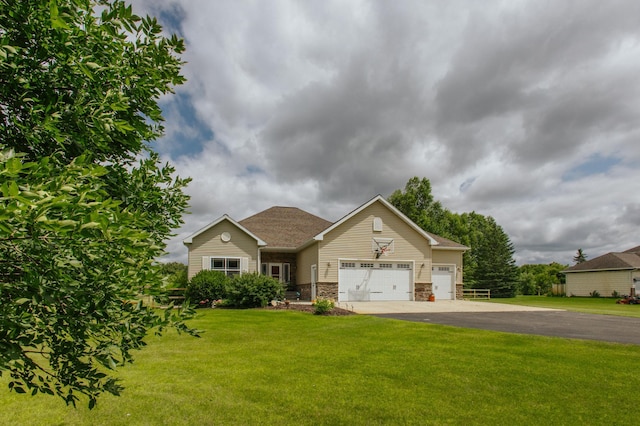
column 366, row 265
column 286, row 273
column 228, row 265
column 348, row 264
column 386, row 266
column 404, row 266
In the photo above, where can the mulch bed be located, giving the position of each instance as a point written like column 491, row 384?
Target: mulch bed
column 310, row 309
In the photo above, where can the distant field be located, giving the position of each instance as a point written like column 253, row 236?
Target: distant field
column 283, row 367
column 592, row 305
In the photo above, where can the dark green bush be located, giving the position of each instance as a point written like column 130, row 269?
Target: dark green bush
column 254, row 290
column 207, row 286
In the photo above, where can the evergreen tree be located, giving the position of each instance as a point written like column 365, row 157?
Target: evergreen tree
column 580, row 257
column 496, row 269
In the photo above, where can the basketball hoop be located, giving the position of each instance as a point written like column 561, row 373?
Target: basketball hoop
column 383, row 247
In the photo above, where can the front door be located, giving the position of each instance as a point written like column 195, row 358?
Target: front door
column 275, row 271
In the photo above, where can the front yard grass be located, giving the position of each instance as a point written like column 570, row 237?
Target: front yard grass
column 591, row 305
column 285, row 367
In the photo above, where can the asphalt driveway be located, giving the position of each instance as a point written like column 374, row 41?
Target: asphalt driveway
column 556, row 323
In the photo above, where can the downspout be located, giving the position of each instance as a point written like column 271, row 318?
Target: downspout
column 259, row 264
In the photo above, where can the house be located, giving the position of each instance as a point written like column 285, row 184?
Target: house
column 373, row 253
column 606, row 274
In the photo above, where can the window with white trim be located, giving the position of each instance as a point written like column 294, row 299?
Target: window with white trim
column 366, row 265
column 404, row 266
column 228, row 265
column 348, row 264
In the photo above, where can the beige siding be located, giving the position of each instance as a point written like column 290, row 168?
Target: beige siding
column 209, row 244
column 352, row 240
column 449, row 257
column 605, row 282
column 306, row 258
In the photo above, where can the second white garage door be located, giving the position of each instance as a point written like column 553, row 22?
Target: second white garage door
column 443, row 282
column 375, row 281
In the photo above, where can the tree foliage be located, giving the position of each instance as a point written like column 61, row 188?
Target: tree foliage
column 85, row 205
column 489, row 263
column 175, row 274
column 539, row 279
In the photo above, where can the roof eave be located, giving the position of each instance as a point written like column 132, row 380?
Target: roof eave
column 463, row 248
column 628, row 268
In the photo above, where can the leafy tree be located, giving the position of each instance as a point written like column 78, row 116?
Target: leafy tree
column 175, row 274
column 539, row 279
column 85, row 205
column 580, row 257
column 418, row 204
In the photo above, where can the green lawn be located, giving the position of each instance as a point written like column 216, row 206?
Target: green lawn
column 592, row 305
column 281, row 367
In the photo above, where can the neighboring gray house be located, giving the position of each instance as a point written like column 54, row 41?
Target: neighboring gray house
column 612, row 272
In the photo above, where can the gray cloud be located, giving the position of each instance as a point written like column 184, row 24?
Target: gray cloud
column 322, row 105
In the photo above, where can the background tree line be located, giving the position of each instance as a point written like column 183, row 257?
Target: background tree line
column 489, row 263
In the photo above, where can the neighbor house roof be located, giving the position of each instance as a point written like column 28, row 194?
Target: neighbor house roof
column 635, row 250
column 285, row 227
column 610, row 261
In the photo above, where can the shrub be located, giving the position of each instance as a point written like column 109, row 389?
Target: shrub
column 615, row 294
column 254, row 290
column 207, row 286
column 322, row 306
column 594, row 293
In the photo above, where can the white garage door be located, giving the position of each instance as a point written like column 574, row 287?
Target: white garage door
column 371, row 280
column 443, row 285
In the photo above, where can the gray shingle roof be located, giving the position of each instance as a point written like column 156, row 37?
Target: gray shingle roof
column 444, row 243
column 625, row 260
column 285, row 227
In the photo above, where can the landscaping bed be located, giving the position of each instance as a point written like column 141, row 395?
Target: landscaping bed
column 309, row 308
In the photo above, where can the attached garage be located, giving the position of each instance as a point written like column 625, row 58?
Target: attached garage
column 368, row 280
column 443, row 282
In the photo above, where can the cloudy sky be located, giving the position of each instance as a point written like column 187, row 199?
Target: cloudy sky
column 527, row 111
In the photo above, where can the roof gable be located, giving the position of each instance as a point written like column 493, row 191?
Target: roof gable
column 285, row 227
column 189, row 239
column 433, row 239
